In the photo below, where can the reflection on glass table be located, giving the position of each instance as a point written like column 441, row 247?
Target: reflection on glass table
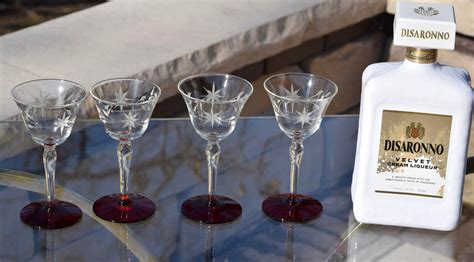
column 173, row 168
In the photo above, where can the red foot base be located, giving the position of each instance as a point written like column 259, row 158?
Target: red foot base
column 120, row 208
column 299, row 208
column 50, row 215
column 215, row 210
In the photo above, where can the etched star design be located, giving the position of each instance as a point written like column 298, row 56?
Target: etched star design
column 120, row 98
column 148, row 103
column 304, row 117
column 292, row 94
column 328, row 94
column 106, row 110
column 213, row 95
column 212, row 118
column 130, row 120
column 62, row 123
column 41, row 100
column 318, row 94
column 31, row 122
column 240, row 95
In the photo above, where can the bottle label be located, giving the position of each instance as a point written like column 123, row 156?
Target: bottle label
column 413, row 154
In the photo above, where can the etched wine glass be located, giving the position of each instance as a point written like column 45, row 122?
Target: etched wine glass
column 48, row 109
column 299, row 101
column 125, row 107
column 214, row 102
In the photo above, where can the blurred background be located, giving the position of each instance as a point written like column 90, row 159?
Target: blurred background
column 18, row 14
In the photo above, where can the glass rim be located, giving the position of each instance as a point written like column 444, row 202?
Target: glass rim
column 215, row 74
column 102, row 82
column 304, row 99
column 17, row 100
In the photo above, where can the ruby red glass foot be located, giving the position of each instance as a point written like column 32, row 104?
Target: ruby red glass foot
column 120, row 208
column 211, row 209
column 292, row 208
column 50, row 215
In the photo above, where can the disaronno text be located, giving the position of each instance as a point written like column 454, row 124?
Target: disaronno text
column 438, row 35
column 413, row 147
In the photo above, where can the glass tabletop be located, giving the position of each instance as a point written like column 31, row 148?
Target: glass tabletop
column 169, row 166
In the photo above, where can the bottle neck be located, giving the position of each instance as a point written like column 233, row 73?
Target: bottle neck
column 421, row 56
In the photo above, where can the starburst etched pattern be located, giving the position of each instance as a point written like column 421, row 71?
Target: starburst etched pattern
column 41, row 100
column 292, row 94
column 29, row 119
column 130, row 120
column 213, row 113
column 62, row 123
column 304, row 117
column 143, row 99
column 213, row 95
column 212, row 117
column 120, row 97
column 106, row 110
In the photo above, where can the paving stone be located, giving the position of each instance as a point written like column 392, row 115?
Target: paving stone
column 344, row 66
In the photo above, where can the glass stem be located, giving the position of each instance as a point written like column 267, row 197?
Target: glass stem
column 296, row 154
column 213, row 151
column 209, row 245
column 290, row 247
column 49, row 162
column 124, row 154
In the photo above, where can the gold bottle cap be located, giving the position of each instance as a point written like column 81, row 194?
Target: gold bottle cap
column 421, row 56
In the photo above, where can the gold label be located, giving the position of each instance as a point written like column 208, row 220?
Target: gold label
column 421, row 56
column 413, row 153
column 429, row 11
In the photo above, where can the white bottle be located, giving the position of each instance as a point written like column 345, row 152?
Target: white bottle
column 414, row 128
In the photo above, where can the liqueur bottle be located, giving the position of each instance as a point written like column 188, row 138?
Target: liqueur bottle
column 414, row 128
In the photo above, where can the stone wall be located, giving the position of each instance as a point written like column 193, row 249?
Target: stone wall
column 165, row 41
column 340, row 56
column 343, row 64
column 335, row 38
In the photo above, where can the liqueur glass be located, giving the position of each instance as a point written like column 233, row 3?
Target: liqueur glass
column 48, row 109
column 214, row 102
column 125, row 107
column 299, row 101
